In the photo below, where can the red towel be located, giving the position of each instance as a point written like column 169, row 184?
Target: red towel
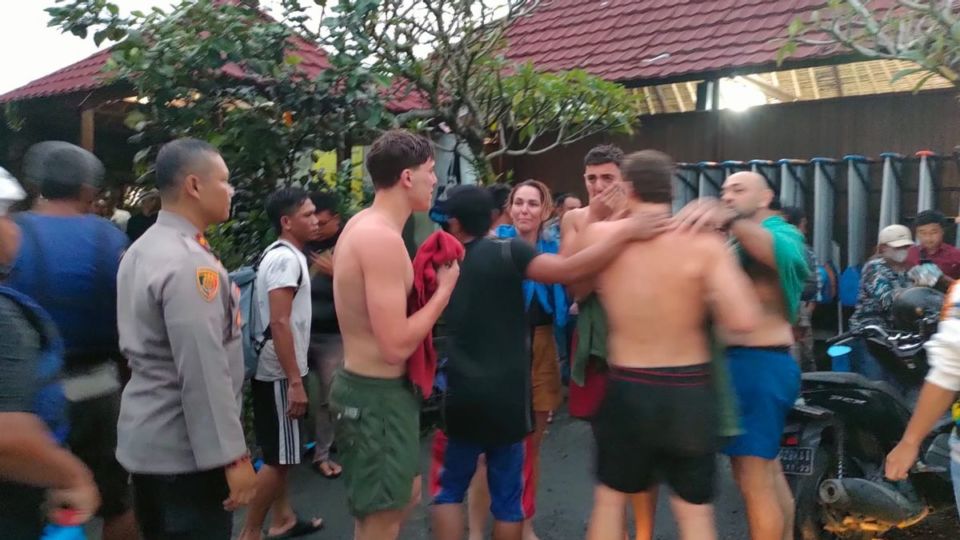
column 439, row 249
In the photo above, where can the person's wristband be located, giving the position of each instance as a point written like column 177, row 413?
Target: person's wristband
column 239, row 461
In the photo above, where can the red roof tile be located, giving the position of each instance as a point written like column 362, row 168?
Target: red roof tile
column 88, row 74
column 403, row 97
column 620, row 40
column 633, row 40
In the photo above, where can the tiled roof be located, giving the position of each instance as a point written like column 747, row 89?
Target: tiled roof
column 86, row 74
column 633, row 40
column 402, row 97
column 619, row 40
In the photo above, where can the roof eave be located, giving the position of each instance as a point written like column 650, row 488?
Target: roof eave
column 767, row 67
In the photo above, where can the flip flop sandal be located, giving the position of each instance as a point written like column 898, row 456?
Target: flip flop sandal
column 300, row 528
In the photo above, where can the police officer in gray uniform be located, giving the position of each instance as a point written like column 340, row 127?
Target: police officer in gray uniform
column 180, row 433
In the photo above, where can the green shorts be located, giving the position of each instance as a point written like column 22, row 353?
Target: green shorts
column 378, row 440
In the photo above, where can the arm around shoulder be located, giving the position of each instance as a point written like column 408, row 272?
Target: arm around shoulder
column 756, row 240
column 592, row 249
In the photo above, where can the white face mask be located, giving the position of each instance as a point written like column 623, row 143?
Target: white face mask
column 897, row 255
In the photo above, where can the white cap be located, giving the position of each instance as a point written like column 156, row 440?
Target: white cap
column 10, row 191
column 895, row 236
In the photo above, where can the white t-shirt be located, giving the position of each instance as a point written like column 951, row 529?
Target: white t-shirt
column 283, row 266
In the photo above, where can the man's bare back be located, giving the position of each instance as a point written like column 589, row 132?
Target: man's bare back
column 362, row 355
column 658, row 295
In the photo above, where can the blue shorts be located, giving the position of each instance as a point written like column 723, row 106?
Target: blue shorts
column 767, row 383
column 454, row 463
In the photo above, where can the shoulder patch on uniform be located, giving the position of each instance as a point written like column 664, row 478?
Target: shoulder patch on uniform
column 208, row 282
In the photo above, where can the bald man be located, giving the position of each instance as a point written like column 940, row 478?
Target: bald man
column 766, row 377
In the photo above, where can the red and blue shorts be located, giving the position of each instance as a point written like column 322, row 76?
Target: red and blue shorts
column 509, row 475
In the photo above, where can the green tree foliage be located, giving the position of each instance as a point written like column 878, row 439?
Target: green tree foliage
column 452, row 55
column 925, row 32
column 225, row 72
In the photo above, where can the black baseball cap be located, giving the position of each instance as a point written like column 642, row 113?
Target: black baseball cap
column 461, row 201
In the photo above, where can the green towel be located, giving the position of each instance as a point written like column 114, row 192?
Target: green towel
column 789, row 252
column 592, row 343
column 591, row 337
column 728, row 410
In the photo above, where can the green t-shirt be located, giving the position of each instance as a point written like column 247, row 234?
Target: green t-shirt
column 789, row 252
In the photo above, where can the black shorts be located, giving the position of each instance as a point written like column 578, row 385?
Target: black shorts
column 278, row 435
column 183, row 506
column 93, row 439
column 658, row 425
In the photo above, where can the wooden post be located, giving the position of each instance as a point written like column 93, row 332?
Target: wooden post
column 86, row 129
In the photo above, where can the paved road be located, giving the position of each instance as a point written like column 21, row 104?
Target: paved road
column 563, row 505
column 564, row 499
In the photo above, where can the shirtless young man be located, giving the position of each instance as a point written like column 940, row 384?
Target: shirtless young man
column 377, row 412
column 765, row 376
column 658, row 419
column 604, row 183
column 601, row 172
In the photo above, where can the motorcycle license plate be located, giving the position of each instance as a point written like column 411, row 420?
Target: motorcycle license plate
column 796, row 460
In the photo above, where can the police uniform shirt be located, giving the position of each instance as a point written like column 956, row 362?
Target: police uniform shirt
column 179, row 326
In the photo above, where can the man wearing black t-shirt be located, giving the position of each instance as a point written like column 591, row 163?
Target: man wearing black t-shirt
column 487, row 408
column 326, row 343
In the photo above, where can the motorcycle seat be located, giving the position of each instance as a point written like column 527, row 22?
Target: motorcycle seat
column 855, row 380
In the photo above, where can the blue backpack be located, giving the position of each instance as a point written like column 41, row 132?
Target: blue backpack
column 245, row 278
column 49, row 402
